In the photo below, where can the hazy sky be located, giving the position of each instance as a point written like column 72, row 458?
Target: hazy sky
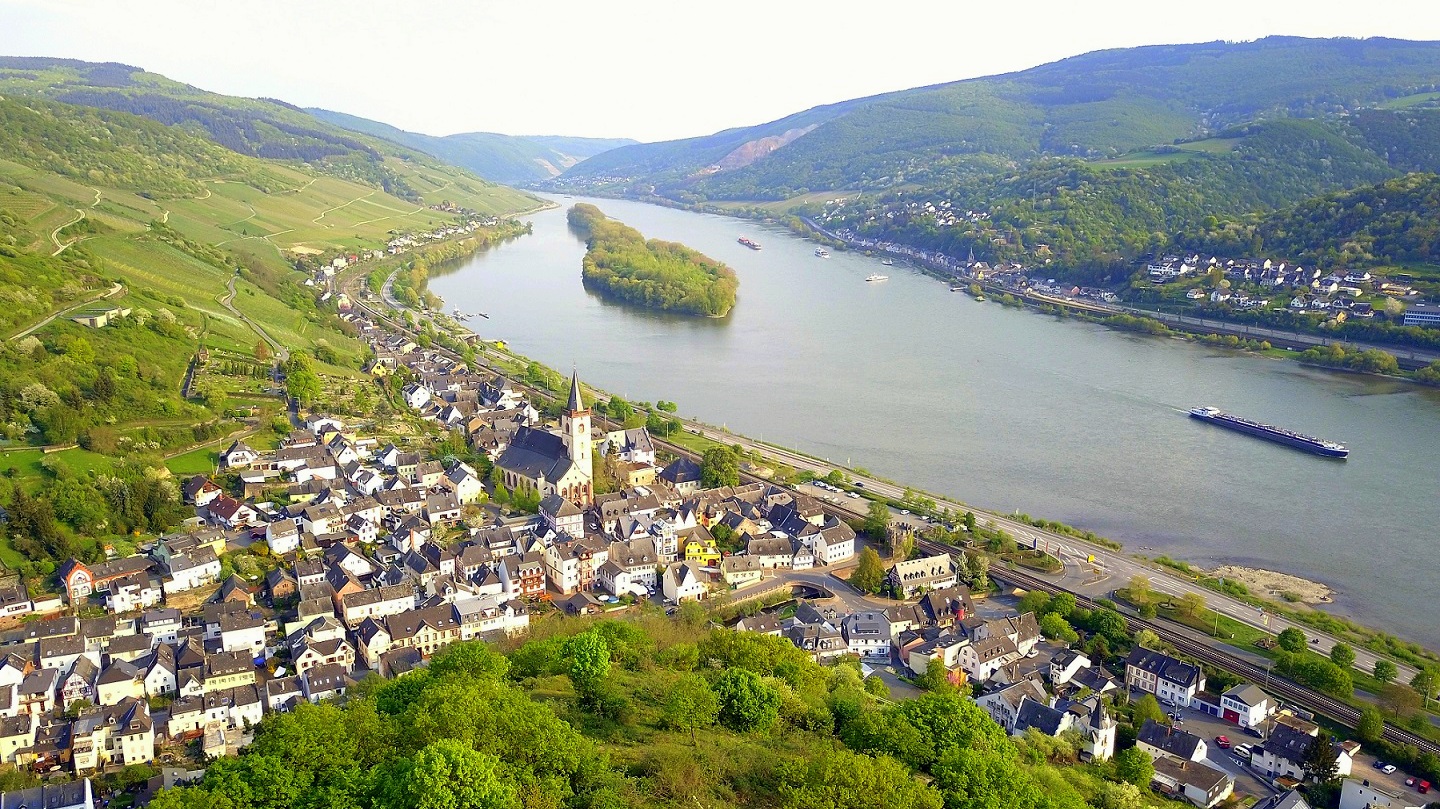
column 647, row 69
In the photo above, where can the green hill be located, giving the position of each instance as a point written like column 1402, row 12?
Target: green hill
column 1101, row 104
column 106, row 212
column 499, row 158
column 262, row 128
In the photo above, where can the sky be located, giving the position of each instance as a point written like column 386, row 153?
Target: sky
column 643, row 69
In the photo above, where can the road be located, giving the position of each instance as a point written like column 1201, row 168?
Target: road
column 281, row 352
column 114, row 290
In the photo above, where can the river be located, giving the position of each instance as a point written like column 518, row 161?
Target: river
column 1002, row 408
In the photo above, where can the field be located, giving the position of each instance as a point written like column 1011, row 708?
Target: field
column 1410, row 101
column 198, row 462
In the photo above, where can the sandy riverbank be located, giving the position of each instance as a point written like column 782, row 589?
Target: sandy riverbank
column 1276, row 586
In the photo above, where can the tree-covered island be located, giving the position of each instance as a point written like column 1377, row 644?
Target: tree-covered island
column 619, row 263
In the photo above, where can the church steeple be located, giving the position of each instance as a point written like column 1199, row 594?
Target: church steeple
column 576, row 404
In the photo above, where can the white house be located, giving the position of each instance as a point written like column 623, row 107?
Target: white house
column 1246, row 705
column 1356, row 793
column 195, row 569
column 684, row 581
column 1200, row 784
column 867, row 634
column 1283, row 753
column 282, row 537
column 1166, row 740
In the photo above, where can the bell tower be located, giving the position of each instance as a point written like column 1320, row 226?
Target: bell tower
column 575, row 427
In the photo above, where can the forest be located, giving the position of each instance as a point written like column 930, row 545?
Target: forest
column 668, row 276
column 649, row 712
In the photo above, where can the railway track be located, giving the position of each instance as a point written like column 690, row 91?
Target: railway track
column 1284, row 688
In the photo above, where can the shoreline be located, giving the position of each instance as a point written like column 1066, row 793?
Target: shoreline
column 1275, row 585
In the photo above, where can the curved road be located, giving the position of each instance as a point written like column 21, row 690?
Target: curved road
column 281, row 352
column 114, row 290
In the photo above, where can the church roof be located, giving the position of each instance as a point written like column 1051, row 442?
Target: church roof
column 575, row 404
column 536, row 453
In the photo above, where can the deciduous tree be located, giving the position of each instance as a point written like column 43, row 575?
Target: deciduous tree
column 691, row 703
column 1291, row 640
column 869, row 572
column 746, row 702
column 1385, row 670
column 1133, row 766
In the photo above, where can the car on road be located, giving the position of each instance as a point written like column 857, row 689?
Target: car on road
column 853, row 495
column 1243, row 751
column 1388, row 769
column 905, row 511
column 1253, row 732
column 1223, row 742
column 860, row 483
column 1378, row 764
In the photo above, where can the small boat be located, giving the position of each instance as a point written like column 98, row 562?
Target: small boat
column 822, row 252
column 748, row 243
column 878, row 278
column 888, row 263
column 957, row 289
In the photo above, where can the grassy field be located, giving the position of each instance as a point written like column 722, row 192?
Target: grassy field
column 27, row 462
column 1409, row 101
column 198, row 462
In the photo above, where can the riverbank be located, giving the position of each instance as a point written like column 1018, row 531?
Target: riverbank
column 1276, row 586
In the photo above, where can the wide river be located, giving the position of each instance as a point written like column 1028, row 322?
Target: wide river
column 1002, row 408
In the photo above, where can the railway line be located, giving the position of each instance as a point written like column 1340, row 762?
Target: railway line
column 1286, row 689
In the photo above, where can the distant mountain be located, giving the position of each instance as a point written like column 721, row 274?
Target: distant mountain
column 255, row 127
column 506, row 159
column 1098, row 105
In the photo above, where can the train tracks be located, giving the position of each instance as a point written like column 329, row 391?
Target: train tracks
column 1286, row 689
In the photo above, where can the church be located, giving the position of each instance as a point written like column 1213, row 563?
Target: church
column 549, row 463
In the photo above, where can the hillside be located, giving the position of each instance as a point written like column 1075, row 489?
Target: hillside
column 262, row 128
column 499, row 158
column 1394, row 223
column 1101, row 104
column 105, row 212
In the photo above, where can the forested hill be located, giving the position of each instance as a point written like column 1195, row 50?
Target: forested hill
column 1101, row 104
column 620, row 263
column 1396, row 222
column 264, row 128
column 510, row 159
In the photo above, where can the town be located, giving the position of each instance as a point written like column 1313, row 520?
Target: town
column 376, row 554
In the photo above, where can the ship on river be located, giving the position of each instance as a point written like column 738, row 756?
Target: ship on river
column 753, row 245
column 1279, row 435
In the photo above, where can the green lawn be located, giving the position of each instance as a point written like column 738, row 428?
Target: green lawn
column 1409, row 101
column 26, row 462
column 198, row 462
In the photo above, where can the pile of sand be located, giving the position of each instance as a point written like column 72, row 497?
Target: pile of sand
column 1272, row 585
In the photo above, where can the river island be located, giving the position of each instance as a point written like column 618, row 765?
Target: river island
column 619, row 263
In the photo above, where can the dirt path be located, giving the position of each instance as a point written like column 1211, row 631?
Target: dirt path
column 323, row 214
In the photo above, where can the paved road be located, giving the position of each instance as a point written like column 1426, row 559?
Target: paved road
column 114, row 290
column 281, row 352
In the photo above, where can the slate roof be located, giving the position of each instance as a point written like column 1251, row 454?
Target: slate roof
column 1040, row 716
column 1174, row 741
column 1163, row 666
column 1287, row 743
column 535, row 454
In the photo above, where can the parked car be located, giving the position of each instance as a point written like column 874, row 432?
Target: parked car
column 1243, row 751
column 1388, row 769
column 1254, row 732
column 1378, row 764
column 1223, row 742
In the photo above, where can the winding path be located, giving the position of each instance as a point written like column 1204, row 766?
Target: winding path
column 114, row 290
column 55, row 234
column 323, row 213
column 281, row 352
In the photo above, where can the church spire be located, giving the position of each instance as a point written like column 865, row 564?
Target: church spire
column 575, row 404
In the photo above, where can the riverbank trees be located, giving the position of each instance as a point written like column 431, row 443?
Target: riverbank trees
column 619, row 263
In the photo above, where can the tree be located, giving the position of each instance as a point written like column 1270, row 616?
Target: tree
column 1292, row 640
column 262, row 351
column 977, row 566
column 1320, row 764
column 1148, row 611
column 1140, row 589
column 877, row 520
column 1385, row 670
column 869, row 572
column 1342, row 655
column 691, row 704
column 1134, row 766
column 1147, row 708
column 719, row 466
column 968, row 520
column 841, row 779
column 1054, row 627
column 1063, row 604
column 1399, row 700
column 1191, row 605
column 1036, row 601
column 1371, row 725
column 1109, row 623
column 746, row 702
column 1147, row 639
column 450, row 774
column 1424, row 683
column 589, row 657
column 104, row 387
